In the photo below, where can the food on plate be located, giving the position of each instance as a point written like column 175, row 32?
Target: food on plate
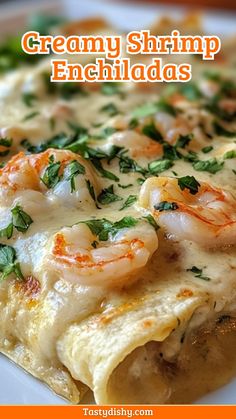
column 118, row 228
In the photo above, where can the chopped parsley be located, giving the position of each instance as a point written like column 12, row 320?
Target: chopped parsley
column 30, row 116
column 68, row 89
column 125, row 186
column 106, row 132
column 207, row 149
column 149, row 218
column 29, row 99
column 191, row 156
column 129, row 202
column 103, row 172
column 166, row 206
column 7, row 231
column 51, row 175
column 149, row 109
column 183, row 141
column 5, row 145
column 133, row 123
column 152, row 132
column 9, row 263
column 198, row 273
column 163, row 106
column 107, row 196
column 110, row 109
column 128, row 165
column 140, row 180
column 91, row 191
column 231, row 154
column 145, row 110
column 159, row 166
column 59, row 141
column 114, row 151
column 170, row 152
column 102, row 228
column 190, row 183
column 73, row 169
column 212, row 166
column 20, row 221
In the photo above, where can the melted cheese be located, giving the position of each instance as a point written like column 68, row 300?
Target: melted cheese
column 73, row 334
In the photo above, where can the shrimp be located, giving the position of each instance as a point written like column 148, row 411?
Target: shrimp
column 27, row 172
column 74, row 256
column 207, row 217
column 138, row 145
column 209, row 88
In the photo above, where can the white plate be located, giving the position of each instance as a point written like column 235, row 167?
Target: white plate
column 16, row 386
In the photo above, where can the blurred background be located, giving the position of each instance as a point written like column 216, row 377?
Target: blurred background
column 125, row 14
column 221, row 4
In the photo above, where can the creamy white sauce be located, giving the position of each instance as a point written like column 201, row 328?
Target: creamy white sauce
column 38, row 326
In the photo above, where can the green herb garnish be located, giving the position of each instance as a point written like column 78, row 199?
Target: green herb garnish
column 152, row 132
column 190, row 183
column 129, row 201
column 212, row 166
column 107, row 196
column 198, row 273
column 231, row 154
column 20, row 221
column 30, row 116
column 125, row 186
column 91, row 190
column 133, row 123
column 9, row 263
column 6, row 144
column 183, row 141
column 29, row 99
column 128, row 165
column 207, row 149
column 166, row 206
column 110, row 109
column 103, row 172
column 149, row 218
column 73, row 169
column 51, row 175
column 103, row 228
column 149, row 109
column 159, row 166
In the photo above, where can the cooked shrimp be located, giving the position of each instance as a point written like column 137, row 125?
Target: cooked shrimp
column 111, row 262
column 186, row 123
column 137, row 144
column 207, row 217
column 25, row 172
column 209, row 88
column 61, row 111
